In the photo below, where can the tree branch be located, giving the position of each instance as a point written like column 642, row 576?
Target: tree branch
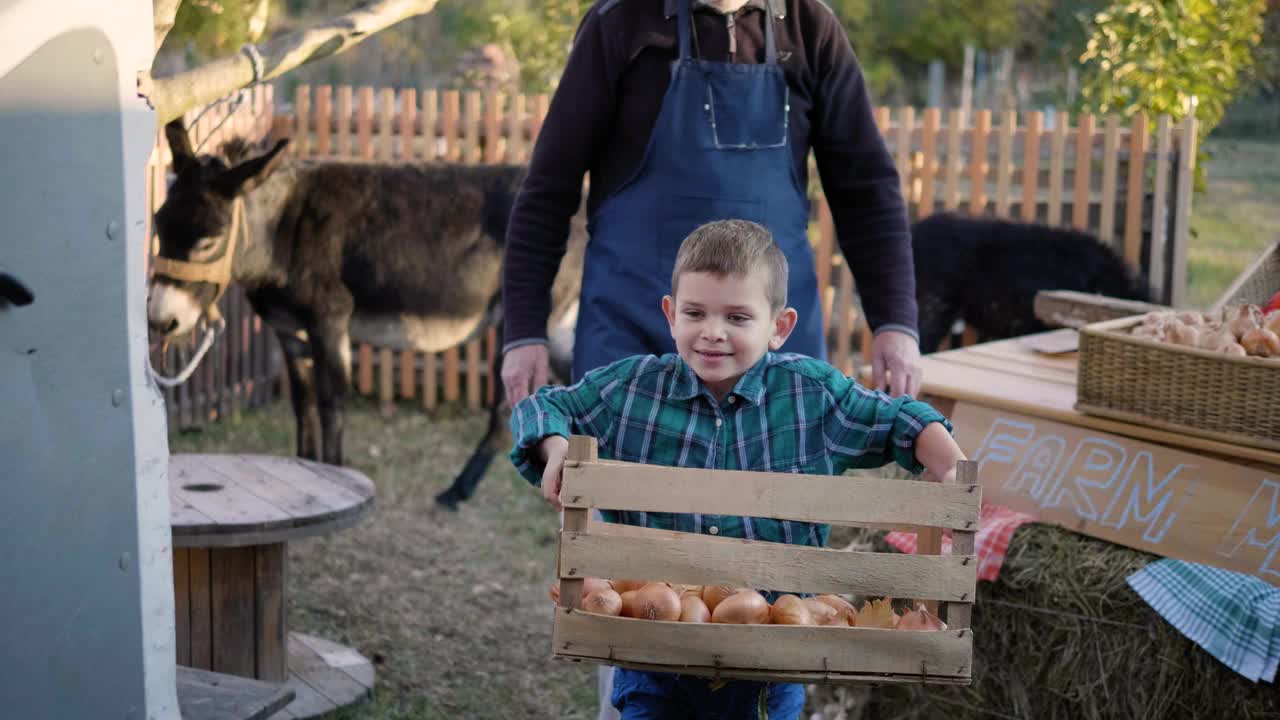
column 164, row 11
column 174, row 95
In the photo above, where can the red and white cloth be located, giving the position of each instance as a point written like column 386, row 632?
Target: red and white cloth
column 996, row 525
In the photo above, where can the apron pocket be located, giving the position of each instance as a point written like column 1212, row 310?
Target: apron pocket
column 682, row 214
column 747, row 115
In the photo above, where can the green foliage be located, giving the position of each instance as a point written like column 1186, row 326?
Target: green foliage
column 207, row 29
column 540, row 35
column 1154, row 56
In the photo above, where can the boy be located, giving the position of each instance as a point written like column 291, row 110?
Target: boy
column 725, row 401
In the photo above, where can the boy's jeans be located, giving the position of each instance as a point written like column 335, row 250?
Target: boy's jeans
column 665, row 696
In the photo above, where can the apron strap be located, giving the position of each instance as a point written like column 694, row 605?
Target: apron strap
column 682, row 27
column 770, row 43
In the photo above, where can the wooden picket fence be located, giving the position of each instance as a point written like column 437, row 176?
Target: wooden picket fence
column 1130, row 186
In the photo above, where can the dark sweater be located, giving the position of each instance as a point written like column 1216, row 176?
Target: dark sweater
column 604, row 110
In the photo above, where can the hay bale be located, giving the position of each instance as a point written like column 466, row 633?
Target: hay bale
column 1061, row 635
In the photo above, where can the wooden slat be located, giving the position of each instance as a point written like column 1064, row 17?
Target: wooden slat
column 474, row 369
column 951, row 186
column 1004, row 162
column 929, row 173
column 582, row 450
column 449, row 115
column 959, row 614
column 232, row 573
column 809, row 498
column 1182, row 209
column 823, row 252
column 203, row 695
column 324, row 99
column 182, row 603
column 902, row 149
column 338, row 657
column 1110, row 161
column 1160, row 210
column 269, row 612
column 1014, row 368
column 330, row 682
column 1057, row 165
column 386, row 124
column 201, row 609
column 492, row 346
column 708, row 560
column 1031, row 165
column 301, row 144
column 450, row 371
column 516, row 145
column 845, row 322
column 1083, row 173
column 386, row 380
column 472, row 152
column 494, row 147
column 430, row 386
column 762, row 647
column 1137, row 182
column 344, row 121
column 978, row 164
column 430, row 114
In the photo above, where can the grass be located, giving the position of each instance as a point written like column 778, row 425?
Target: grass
column 452, row 608
column 1235, row 218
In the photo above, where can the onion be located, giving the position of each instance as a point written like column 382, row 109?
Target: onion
column 1183, row 335
column 623, row 586
column 790, row 610
column 657, row 601
column 742, row 608
column 629, row 604
column 1233, row 348
column 590, row 586
column 1272, row 321
column 878, row 614
column 713, row 594
column 1260, row 342
column 603, row 602
column 692, row 609
column 920, row 619
column 1242, row 319
column 826, row 613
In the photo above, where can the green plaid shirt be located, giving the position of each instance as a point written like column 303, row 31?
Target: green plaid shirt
column 788, row 413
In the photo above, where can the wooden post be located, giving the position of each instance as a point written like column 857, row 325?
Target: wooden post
column 1004, row 162
column 301, row 115
column 494, row 147
column 906, row 122
column 1080, row 196
column 978, row 164
column 1160, row 212
column 581, row 450
column 324, row 96
column 823, row 255
column 951, row 186
column 959, row 614
column 1137, row 185
column 1110, row 160
column 1057, row 165
column 343, row 117
column 1182, row 209
column 1031, row 165
column 364, row 133
column 516, row 145
column 929, row 171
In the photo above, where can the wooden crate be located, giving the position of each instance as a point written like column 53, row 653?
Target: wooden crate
column 767, row 652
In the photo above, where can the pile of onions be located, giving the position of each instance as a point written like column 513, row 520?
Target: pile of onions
column 645, row 600
column 1235, row 330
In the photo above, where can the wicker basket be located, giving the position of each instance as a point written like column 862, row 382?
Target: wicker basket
column 1189, row 390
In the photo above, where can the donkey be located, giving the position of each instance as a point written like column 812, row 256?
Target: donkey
column 400, row 256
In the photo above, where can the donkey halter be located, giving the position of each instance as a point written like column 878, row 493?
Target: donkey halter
column 216, row 271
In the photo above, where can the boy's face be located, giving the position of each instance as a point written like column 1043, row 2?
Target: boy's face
column 722, row 325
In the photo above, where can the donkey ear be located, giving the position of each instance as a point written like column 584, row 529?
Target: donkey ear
column 251, row 173
column 179, row 145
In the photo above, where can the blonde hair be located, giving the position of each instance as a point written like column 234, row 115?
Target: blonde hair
column 734, row 247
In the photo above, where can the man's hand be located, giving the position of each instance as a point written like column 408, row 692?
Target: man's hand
column 553, row 450
column 899, row 354
column 524, row 370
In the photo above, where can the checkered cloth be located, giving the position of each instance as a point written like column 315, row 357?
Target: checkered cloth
column 996, row 524
column 1233, row 616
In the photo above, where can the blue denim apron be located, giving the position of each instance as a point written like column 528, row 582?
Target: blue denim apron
column 719, row 149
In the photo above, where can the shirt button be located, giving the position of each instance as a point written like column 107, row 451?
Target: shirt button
column 732, row 399
column 719, row 422
column 713, row 530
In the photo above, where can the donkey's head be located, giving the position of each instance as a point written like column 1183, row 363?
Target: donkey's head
column 195, row 226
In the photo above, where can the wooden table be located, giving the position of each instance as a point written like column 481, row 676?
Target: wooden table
column 1167, row 493
column 232, row 516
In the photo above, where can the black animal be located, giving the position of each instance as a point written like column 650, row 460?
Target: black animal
column 399, row 256
column 987, row 272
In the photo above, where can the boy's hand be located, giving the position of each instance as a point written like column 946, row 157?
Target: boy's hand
column 553, row 449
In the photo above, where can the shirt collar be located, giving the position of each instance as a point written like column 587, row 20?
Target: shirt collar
column 777, row 7
column 750, row 387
